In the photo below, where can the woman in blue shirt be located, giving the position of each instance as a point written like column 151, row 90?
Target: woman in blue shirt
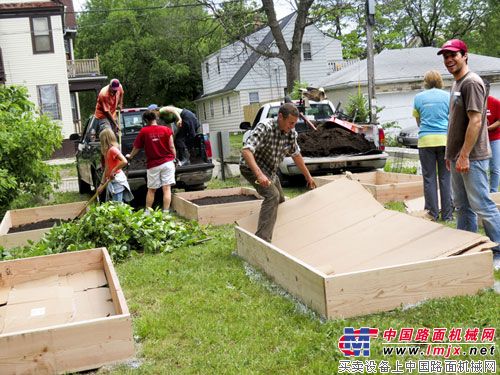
column 431, row 109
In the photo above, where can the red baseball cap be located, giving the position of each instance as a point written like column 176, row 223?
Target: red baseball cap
column 453, row 45
column 115, row 84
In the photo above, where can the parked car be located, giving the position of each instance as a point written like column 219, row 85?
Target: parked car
column 324, row 112
column 90, row 164
column 409, row 136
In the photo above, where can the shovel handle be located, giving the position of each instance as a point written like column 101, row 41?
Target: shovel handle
column 80, row 214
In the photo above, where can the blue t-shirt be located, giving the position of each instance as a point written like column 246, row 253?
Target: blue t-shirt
column 432, row 107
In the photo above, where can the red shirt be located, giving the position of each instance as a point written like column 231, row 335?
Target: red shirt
column 155, row 141
column 107, row 102
column 493, row 114
column 112, row 160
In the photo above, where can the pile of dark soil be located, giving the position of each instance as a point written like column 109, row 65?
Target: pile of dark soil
column 332, row 141
column 224, row 199
column 49, row 223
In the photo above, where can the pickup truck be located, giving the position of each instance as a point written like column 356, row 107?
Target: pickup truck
column 323, row 112
column 90, row 164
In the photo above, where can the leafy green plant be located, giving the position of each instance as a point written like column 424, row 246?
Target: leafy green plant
column 357, row 108
column 118, row 228
column 297, row 85
column 26, row 139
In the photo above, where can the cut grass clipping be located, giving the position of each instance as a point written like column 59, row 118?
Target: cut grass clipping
column 118, row 228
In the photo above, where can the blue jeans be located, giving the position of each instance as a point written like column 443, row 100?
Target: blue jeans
column 495, row 166
column 471, row 197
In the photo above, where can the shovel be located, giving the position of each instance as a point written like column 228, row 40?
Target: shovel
column 84, row 209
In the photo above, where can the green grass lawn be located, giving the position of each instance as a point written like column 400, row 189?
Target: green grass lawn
column 203, row 310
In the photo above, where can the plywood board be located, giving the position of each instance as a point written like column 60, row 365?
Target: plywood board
column 14, row 218
column 295, row 276
column 215, row 214
column 383, row 289
column 341, row 234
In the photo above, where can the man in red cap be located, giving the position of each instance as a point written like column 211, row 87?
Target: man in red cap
column 110, row 97
column 467, row 147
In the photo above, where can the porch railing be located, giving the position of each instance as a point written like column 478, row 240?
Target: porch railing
column 83, row 67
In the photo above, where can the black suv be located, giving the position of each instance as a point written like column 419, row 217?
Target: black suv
column 90, row 163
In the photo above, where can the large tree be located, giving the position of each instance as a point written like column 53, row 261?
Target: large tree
column 236, row 17
column 155, row 49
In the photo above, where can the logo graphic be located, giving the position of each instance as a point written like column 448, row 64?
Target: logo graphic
column 356, row 342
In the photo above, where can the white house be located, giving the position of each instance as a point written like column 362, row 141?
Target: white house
column 235, row 76
column 36, row 42
column 399, row 77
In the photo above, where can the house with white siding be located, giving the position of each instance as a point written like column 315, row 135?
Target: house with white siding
column 36, row 51
column 235, row 76
column 399, row 77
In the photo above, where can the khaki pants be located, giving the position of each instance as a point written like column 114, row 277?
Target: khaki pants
column 273, row 196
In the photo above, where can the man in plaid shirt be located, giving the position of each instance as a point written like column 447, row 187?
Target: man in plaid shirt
column 270, row 141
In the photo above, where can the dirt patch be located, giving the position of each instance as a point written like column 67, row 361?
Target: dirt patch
column 49, row 223
column 332, row 141
column 224, row 199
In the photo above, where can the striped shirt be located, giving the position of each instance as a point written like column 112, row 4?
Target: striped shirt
column 270, row 145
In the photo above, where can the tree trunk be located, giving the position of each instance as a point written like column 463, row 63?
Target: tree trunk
column 292, row 65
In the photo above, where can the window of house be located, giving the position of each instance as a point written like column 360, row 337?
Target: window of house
column 253, row 97
column 207, row 69
column 211, row 108
column 41, row 35
column 222, row 106
column 228, row 105
column 48, row 99
column 218, row 65
column 306, row 51
column 205, row 111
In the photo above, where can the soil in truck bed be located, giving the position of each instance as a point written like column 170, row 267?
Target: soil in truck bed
column 332, row 141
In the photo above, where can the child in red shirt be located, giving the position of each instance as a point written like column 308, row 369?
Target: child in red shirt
column 158, row 144
column 118, row 187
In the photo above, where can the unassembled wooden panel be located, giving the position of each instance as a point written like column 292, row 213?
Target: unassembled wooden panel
column 383, row 289
column 14, row 218
column 225, row 213
column 292, row 274
column 23, row 270
column 67, row 348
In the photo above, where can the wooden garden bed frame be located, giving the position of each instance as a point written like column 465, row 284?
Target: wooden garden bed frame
column 226, row 213
column 384, row 186
column 71, row 347
column 14, row 218
column 341, row 253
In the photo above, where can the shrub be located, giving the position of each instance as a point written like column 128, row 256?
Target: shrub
column 26, row 139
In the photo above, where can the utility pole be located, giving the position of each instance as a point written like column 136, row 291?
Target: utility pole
column 370, row 21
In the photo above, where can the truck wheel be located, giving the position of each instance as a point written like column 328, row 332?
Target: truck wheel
column 83, row 187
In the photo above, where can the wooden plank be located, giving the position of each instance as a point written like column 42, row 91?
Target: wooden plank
column 216, row 214
column 23, row 270
column 67, row 348
column 6, row 223
column 384, row 289
column 33, row 215
column 293, row 275
column 23, row 216
column 114, row 284
column 398, row 191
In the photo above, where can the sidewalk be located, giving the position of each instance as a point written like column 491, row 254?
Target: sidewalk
column 61, row 161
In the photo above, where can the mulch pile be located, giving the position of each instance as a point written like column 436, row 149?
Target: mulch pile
column 332, row 141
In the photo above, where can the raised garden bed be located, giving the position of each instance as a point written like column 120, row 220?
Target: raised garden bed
column 384, row 186
column 219, row 206
column 340, row 252
column 19, row 226
column 62, row 313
